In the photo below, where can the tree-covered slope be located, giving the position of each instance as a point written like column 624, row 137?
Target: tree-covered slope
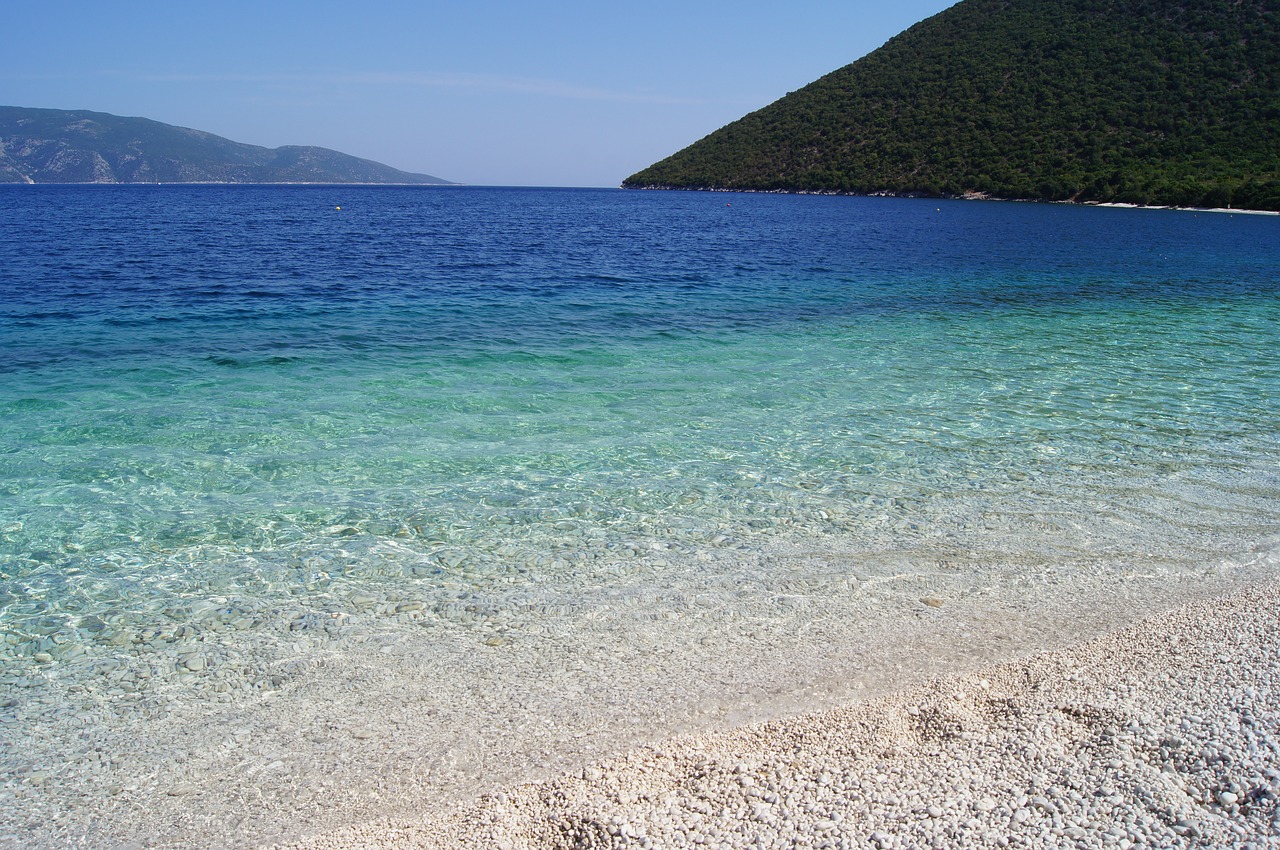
column 1141, row 101
column 61, row 146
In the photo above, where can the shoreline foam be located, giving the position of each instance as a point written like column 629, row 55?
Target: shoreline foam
column 1165, row 732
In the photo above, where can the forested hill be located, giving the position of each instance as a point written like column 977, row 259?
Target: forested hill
column 1143, row 101
column 62, row 146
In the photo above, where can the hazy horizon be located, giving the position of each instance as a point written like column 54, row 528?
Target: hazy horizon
column 567, row 95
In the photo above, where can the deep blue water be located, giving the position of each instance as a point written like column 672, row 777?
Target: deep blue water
column 248, row 392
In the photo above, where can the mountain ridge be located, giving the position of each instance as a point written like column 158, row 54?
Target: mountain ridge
column 83, row 146
column 1160, row 102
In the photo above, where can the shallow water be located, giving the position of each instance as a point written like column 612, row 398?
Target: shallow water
column 244, row 434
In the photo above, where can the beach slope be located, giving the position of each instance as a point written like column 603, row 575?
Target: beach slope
column 1166, row 733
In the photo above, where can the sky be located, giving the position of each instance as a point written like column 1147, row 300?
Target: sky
column 570, row 93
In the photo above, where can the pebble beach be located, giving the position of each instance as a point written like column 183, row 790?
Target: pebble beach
column 1162, row 734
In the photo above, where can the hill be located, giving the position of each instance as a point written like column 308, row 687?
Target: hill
column 1142, row 101
column 61, row 146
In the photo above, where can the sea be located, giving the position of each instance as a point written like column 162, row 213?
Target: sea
column 426, row 489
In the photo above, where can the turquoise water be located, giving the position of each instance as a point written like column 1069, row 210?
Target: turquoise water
column 249, row 392
column 497, row 477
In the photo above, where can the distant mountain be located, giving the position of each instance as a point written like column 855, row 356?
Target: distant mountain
column 1144, row 101
column 61, row 146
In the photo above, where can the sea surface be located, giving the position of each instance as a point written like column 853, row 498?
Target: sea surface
column 248, row 431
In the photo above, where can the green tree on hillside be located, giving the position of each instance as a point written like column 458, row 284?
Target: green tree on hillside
column 1142, row 101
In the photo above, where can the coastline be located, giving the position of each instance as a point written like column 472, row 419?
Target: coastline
column 1163, row 732
column 968, row 196
column 404, row 725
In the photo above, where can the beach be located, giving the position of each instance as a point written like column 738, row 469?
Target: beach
column 1165, row 733
column 402, row 721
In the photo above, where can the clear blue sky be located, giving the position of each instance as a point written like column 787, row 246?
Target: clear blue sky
column 571, row 93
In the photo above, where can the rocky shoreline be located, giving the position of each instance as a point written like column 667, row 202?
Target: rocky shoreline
column 967, row 196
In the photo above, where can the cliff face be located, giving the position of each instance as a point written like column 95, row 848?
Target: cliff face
column 60, row 146
column 1141, row 101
